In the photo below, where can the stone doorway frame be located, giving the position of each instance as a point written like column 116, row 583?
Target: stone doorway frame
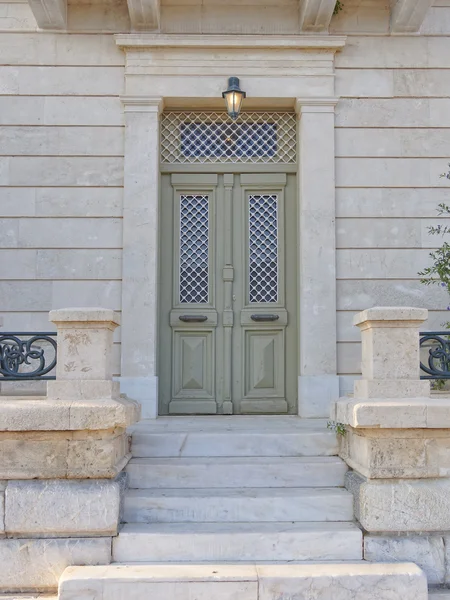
column 276, row 72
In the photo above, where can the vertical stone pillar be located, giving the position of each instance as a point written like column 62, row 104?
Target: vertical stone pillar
column 140, row 251
column 318, row 381
column 85, row 341
column 62, row 459
column 390, row 353
column 396, row 441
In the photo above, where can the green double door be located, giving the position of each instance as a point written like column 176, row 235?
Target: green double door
column 228, row 283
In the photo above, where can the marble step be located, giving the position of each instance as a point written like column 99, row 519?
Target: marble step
column 439, row 594
column 188, row 542
column 236, row 472
column 227, row 441
column 346, row 581
column 32, row 596
column 237, row 505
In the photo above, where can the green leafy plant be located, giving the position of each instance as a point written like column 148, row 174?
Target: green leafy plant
column 439, row 272
column 339, row 428
column 338, row 7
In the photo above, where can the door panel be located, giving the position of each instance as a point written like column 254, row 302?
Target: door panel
column 227, row 310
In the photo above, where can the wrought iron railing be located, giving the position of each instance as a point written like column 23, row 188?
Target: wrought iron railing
column 27, row 356
column 435, row 354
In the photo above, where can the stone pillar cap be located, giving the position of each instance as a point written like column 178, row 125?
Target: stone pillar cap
column 391, row 313
column 106, row 315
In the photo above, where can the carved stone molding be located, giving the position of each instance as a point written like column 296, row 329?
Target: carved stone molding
column 315, row 15
column 50, row 14
column 407, row 15
column 145, row 15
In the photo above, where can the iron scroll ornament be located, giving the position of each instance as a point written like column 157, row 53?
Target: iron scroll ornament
column 438, row 364
column 17, row 353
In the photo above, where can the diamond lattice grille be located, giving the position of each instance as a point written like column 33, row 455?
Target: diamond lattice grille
column 203, row 137
column 263, row 241
column 194, row 242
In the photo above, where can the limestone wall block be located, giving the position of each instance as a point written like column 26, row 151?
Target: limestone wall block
column 70, row 233
column 423, row 82
column 402, row 142
column 86, row 293
column 17, row 16
column 407, row 505
column 39, row 456
column 54, row 110
column 388, row 172
column 9, row 235
column 358, row 294
column 61, row 508
column 62, row 81
column 400, row 453
column 36, row 565
column 17, row 202
column 387, row 52
column 99, row 17
column 375, row 203
column 98, row 458
column 372, row 263
column 437, row 21
column 428, row 552
column 387, row 112
column 2, row 508
column 63, row 171
column 54, row 49
column 365, row 83
column 18, row 264
column 78, row 202
column 63, row 455
column 372, row 233
column 61, row 141
column 76, row 264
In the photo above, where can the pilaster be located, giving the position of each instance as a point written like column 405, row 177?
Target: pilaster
column 318, row 381
column 140, row 251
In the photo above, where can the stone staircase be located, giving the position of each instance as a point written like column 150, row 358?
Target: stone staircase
column 238, row 508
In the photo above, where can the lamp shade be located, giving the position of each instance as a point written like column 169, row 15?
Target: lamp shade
column 233, row 97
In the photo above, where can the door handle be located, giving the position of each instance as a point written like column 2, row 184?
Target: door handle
column 193, row 318
column 265, row 317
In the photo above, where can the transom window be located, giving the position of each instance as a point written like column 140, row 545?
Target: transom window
column 207, row 137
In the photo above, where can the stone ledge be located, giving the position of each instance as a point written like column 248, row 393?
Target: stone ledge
column 392, row 413
column 87, row 316
column 63, row 454
column 397, row 315
column 347, row 581
column 44, row 414
column 397, row 453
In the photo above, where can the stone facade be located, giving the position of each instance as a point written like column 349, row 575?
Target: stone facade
column 63, row 146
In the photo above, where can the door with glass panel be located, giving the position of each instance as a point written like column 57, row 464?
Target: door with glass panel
column 228, row 279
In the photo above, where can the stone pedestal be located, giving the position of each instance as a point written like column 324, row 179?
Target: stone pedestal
column 397, row 441
column 61, row 459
